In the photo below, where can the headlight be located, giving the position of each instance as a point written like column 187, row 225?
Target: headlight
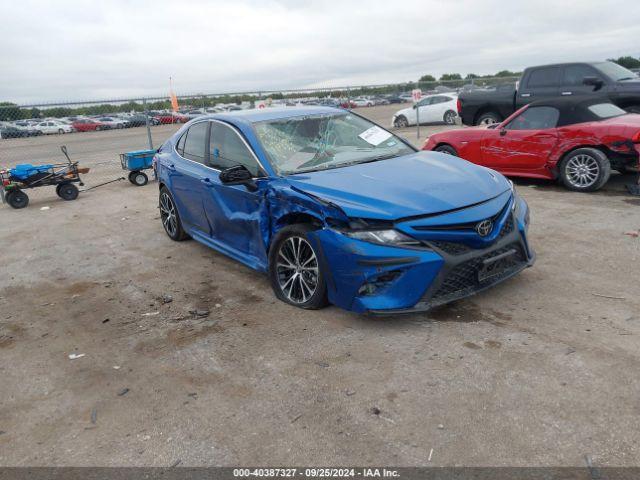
column 515, row 196
column 383, row 237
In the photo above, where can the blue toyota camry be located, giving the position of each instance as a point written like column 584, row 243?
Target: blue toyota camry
column 336, row 209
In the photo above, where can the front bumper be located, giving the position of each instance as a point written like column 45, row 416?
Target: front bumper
column 384, row 280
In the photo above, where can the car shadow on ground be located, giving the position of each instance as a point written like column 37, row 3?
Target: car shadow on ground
column 616, row 186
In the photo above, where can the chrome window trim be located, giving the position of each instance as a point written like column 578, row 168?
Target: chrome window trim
column 211, row 120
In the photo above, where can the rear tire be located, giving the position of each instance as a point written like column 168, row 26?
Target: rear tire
column 449, row 117
column 448, row 149
column 67, row 191
column 585, row 170
column 295, row 270
column 488, row 118
column 170, row 217
column 17, row 199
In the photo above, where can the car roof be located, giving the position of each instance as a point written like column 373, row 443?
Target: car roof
column 573, row 110
column 265, row 114
column 563, row 64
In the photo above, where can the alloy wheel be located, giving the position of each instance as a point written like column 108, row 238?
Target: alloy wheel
column 449, row 118
column 168, row 214
column 297, row 270
column 402, row 123
column 582, row 171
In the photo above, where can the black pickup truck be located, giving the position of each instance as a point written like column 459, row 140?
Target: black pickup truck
column 607, row 79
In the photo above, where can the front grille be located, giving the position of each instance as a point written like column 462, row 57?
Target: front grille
column 456, row 248
column 464, row 277
column 452, row 248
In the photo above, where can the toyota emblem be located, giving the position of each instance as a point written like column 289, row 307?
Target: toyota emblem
column 484, row 227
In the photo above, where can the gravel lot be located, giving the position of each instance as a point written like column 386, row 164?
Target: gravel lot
column 538, row 371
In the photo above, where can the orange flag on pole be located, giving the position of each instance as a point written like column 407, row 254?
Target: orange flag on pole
column 172, row 96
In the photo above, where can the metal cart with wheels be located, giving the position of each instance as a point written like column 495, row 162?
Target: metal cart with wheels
column 136, row 162
column 22, row 177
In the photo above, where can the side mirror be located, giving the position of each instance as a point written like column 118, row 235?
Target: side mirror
column 415, row 106
column 238, row 175
column 503, row 132
column 593, row 81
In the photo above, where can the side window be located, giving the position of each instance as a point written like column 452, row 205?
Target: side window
column 196, row 142
column 180, row 145
column 535, row 118
column 425, row 101
column 226, row 149
column 574, row 74
column 544, row 77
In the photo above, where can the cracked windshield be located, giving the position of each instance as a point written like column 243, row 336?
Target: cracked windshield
column 320, row 142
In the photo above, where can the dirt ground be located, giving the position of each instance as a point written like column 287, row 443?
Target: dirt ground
column 541, row 370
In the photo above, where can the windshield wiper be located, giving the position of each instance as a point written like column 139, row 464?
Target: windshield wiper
column 330, row 166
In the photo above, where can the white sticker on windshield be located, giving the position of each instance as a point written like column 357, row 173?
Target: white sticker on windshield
column 375, row 135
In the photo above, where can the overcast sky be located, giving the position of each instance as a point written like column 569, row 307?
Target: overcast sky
column 80, row 50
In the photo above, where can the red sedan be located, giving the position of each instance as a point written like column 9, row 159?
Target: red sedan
column 578, row 141
column 89, row 125
column 166, row 118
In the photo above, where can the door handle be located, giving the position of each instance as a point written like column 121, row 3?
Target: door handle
column 525, row 94
column 171, row 166
column 206, row 181
column 566, row 93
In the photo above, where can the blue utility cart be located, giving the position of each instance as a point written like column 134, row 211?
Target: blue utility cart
column 136, row 162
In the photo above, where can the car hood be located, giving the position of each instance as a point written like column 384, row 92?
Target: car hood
column 404, row 111
column 422, row 183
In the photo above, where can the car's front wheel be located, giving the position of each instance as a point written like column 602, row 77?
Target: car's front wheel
column 170, row 217
column 448, row 149
column 585, row 170
column 294, row 269
column 401, row 122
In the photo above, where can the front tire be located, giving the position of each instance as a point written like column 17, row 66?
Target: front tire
column 170, row 217
column 448, row 149
column 585, row 170
column 295, row 272
column 67, row 191
column 401, row 122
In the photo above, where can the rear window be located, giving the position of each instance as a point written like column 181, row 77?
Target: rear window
column 606, row 110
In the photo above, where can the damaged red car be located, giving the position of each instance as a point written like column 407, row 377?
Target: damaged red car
column 578, row 141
